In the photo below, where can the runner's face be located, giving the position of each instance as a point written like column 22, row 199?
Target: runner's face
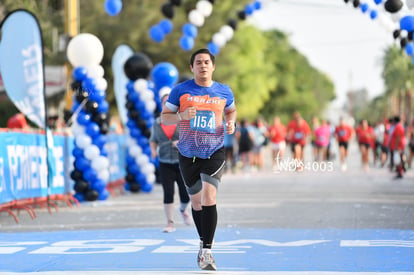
column 203, row 67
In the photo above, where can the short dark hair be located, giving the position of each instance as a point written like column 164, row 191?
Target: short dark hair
column 212, row 57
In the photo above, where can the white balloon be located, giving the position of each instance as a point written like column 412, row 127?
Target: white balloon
column 204, row 7
column 146, row 95
column 91, row 152
column 410, row 3
column 83, row 141
column 140, row 84
column 151, row 178
column 196, row 18
column 100, row 163
column 135, row 151
column 77, row 129
column 130, row 141
column 95, row 71
column 85, row 49
column 148, row 168
column 151, row 105
column 164, row 91
column 227, row 32
column 101, row 84
column 104, row 175
column 142, row 159
column 219, row 39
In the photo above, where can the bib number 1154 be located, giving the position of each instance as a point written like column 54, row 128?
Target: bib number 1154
column 204, row 121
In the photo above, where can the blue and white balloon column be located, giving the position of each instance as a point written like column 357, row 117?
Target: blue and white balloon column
column 90, row 126
column 140, row 106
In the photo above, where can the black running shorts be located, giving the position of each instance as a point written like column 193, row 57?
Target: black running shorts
column 197, row 170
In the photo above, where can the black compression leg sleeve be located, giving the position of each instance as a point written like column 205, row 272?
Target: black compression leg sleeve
column 209, row 225
column 197, row 217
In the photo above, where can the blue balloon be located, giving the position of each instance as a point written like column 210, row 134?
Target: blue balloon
column 77, row 152
column 213, row 48
column 79, row 197
column 190, row 30
column 90, row 174
column 373, row 14
column 407, row 23
column 113, row 7
column 146, row 187
column 103, row 107
column 364, row 7
column 81, row 164
column 166, row 25
column 409, row 49
column 92, row 129
column 99, row 141
column 164, row 74
column 89, row 84
column 97, row 95
column 257, row 5
column 134, row 169
column 249, row 9
column 186, row 42
column 83, row 118
column 130, row 86
column 79, row 73
column 135, row 132
column 156, row 33
column 103, row 195
column 378, row 2
column 98, row 185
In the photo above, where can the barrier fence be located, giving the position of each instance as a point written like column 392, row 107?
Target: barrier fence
column 23, row 170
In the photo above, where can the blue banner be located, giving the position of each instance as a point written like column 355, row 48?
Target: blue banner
column 23, row 164
column 121, row 55
column 21, row 66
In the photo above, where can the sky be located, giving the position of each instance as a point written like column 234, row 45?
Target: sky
column 338, row 39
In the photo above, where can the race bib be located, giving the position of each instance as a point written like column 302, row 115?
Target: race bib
column 342, row 133
column 204, row 121
column 298, row 135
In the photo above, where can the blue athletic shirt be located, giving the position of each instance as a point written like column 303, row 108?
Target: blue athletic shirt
column 204, row 134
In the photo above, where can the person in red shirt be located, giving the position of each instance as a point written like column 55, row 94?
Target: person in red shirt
column 397, row 145
column 298, row 131
column 366, row 139
column 343, row 133
column 277, row 136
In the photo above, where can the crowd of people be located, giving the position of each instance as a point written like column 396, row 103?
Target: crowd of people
column 387, row 143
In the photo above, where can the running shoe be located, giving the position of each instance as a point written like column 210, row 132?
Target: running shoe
column 169, row 228
column 207, row 261
column 200, row 253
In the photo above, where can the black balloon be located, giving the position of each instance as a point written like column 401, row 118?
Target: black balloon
column 138, row 66
column 147, row 133
column 92, row 107
column 134, row 187
column 212, row 1
column 81, row 186
column 167, row 10
column 346, row 1
column 410, row 36
column 175, row 2
column 403, row 42
column 241, row 15
column 232, row 23
column 104, row 127
column 393, row 6
column 134, row 115
column 100, row 118
column 130, row 177
column 76, row 175
column 91, row 195
column 396, row 34
column 356, row 3
column 130, row 105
